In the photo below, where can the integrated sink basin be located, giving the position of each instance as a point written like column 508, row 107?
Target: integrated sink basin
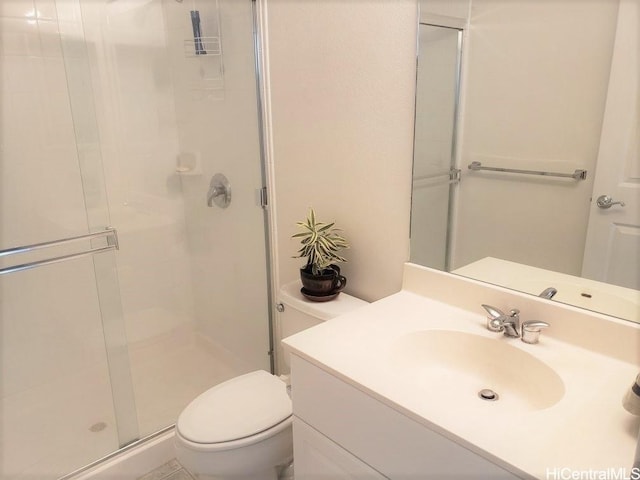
column 426, row 352
column 453, row 367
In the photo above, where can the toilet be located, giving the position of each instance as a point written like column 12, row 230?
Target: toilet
column 241, row 428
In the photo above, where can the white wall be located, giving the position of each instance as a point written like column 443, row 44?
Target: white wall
column 535, row 86
column 342, row 80
column 439, row 11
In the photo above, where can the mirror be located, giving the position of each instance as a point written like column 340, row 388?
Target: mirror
column 434, row 173
column 546, row 88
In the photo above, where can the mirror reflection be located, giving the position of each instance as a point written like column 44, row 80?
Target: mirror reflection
column 526, row 167
column 434, row 170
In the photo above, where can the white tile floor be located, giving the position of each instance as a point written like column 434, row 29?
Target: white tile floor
column 172, row 470
column 169, row 471
column 58, row 427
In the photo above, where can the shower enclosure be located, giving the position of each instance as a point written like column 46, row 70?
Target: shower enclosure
column 123, row 293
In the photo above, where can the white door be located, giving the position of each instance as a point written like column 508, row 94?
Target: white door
column 612, row 252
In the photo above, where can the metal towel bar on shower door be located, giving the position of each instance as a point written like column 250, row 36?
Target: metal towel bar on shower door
column 576, row 175
column 110, row 234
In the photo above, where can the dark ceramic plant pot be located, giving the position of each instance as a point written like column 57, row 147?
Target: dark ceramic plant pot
column 329, row 282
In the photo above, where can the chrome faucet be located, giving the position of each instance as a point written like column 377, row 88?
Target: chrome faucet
column 498, row 321
column 548, row 293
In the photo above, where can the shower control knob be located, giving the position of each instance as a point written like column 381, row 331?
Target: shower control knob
column 219, row 191
column 280, row 307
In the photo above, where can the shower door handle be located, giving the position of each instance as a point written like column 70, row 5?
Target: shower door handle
column 110, row 235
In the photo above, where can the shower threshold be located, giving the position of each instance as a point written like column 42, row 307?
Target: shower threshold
column 94, row 469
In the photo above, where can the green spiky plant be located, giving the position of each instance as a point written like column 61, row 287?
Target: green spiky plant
column 320, row 244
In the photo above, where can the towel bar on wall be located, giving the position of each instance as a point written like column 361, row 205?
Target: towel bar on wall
column 110, row 234
column 576, row 175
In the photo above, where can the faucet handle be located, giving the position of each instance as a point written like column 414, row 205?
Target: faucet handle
column 493, row 311
column 494, row 317
column 531, row 330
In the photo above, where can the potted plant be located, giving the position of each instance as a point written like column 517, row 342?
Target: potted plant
column 321, row 244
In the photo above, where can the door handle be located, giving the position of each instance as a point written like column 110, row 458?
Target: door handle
column 605, row 201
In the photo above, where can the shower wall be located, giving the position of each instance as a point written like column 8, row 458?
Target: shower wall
column 169, row 120
column 132, row 84
column 217, row 117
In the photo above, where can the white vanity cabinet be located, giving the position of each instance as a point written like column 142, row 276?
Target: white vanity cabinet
column 343, row 432
column 318, row 457
column 394, row 387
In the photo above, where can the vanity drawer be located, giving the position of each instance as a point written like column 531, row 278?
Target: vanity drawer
column 383, row 438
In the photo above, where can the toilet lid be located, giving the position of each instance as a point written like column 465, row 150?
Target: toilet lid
column 238, row 408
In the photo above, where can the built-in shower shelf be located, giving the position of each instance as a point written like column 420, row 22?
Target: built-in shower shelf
column 203, row 47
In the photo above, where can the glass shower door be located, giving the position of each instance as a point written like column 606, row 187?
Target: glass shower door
column 173, row 113
column 434, row 171
column 114, row 115
column 65, row 385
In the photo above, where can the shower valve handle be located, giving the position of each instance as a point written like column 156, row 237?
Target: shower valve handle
column 219, row 191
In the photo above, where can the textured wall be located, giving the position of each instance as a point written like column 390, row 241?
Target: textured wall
column 342, row 77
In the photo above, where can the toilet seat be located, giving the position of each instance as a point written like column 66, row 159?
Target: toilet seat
column 240, row 444
column 239, row 409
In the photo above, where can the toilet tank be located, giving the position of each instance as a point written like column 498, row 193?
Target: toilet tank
column 300, row 314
